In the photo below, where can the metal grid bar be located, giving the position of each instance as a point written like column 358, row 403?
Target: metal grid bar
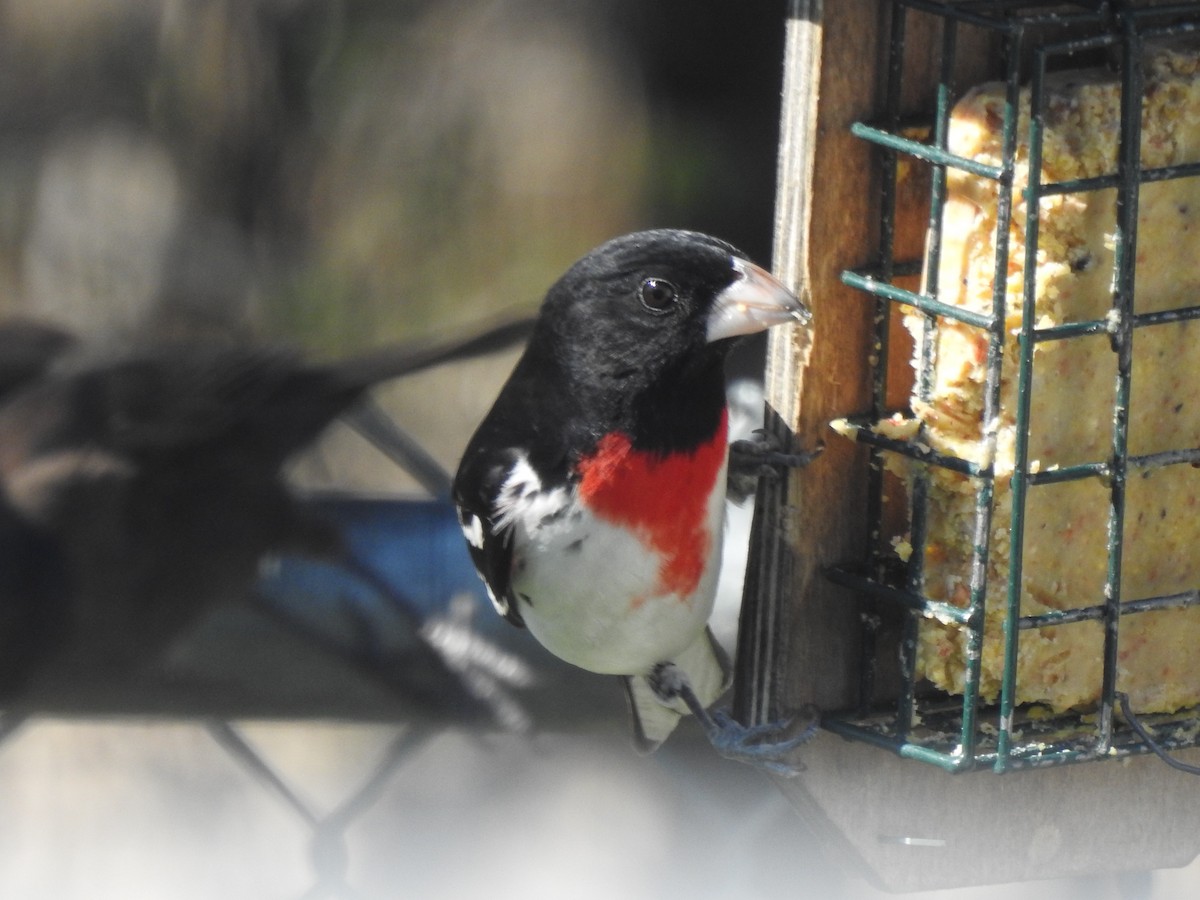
column 1000, row 743
column 1124, row 608
column 998, row 16
column 1128, row 170
column 933, row 609
column 924, row 152
column 328, row 848
column 925, row 379
column 880, row 345
column 991, row 409
column 926, row 303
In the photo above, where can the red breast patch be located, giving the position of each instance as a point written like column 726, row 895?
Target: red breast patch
column 662, row 498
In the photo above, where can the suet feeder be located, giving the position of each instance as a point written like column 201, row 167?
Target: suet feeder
column 1006, row 362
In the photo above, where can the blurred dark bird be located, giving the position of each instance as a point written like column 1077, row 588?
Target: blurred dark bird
column 143, row 486
column 27, row 349
column 592, row 496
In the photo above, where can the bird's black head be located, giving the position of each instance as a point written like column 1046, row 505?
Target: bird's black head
column 642, row 323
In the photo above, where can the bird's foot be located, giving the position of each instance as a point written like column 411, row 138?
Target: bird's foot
column 763, row 455
column 767, row 746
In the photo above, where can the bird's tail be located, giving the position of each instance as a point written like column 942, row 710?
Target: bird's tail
column 709, row 672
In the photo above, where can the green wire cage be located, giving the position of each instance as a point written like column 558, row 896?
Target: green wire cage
column 978, row 728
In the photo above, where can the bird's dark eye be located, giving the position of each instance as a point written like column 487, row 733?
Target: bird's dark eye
column 658, row 295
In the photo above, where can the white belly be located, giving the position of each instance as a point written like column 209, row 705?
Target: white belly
column 593, row 594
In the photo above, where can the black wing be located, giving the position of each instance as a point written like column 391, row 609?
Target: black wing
column 476, row 487
column 27, row 350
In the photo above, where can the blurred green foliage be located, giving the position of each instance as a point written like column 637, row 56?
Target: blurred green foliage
column 342, row 172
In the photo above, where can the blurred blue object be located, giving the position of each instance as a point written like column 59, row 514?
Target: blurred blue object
column 414, row 546
column 403, row 604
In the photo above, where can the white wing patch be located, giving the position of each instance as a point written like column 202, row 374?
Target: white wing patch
column 523, row 506
column 472, row 528
column 498, row 603
column 523, row 500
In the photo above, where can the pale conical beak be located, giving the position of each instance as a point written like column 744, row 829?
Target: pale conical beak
column 754, row 302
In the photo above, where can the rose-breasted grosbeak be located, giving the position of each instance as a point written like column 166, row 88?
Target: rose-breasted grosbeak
column 592, row 495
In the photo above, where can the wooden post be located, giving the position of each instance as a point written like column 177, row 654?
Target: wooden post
column 904, row 825
column 812, row 518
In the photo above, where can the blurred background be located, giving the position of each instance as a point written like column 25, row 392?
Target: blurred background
column 335, row 174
